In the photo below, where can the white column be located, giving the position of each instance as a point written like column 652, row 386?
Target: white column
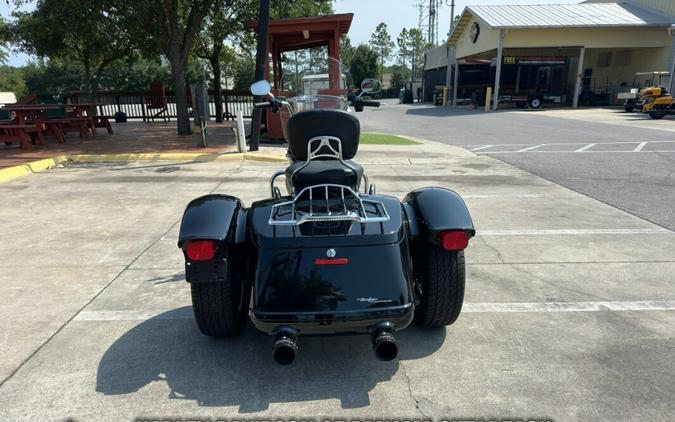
column 579, row 79
column 671, row 31
column 498, row 72
column 455, row 88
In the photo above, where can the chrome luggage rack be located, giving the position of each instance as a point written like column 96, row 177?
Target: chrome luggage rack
column 327, row 203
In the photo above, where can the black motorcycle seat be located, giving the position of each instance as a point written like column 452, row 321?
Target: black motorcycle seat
column 322, row 122
column 318, row 172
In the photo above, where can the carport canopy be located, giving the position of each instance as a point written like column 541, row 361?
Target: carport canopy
column 300, row 33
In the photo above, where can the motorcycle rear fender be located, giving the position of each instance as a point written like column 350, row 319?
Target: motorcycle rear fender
column 213, row 217
column 434, row 210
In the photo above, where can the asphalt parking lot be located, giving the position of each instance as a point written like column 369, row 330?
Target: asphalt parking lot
column 569, row 309
column 624, row 159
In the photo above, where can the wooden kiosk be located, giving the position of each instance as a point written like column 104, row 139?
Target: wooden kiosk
column 293, row 34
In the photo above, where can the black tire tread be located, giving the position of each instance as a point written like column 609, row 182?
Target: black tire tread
column 443, row 280
column 216, row 304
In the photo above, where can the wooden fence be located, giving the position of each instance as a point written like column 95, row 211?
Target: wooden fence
column 133, row 103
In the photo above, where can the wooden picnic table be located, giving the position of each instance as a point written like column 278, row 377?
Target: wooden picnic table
column 28, row 112
column 11, row 133
column 83, row 109
column 25, row 114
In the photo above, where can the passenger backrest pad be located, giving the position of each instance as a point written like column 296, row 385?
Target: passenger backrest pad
column 309, row 124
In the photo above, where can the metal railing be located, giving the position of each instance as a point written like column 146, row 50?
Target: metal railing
column 133, row 103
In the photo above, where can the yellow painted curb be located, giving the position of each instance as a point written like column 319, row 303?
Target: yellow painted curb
column 11, row 173
column 168, row 156
column 254, row 156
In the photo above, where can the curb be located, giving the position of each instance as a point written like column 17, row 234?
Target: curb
column 11, row 173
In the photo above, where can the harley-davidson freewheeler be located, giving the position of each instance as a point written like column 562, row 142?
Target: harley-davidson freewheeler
column 330, row 256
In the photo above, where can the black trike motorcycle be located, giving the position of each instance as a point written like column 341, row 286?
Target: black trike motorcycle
column 331, row 256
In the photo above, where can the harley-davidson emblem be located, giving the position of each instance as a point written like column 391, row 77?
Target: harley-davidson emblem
column 330, row 253
column 373, row 300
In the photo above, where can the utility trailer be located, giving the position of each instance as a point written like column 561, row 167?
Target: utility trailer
column 533, row 80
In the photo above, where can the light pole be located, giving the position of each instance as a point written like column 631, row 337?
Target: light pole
column 260, row 62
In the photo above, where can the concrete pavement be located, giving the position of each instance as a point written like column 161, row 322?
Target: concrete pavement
column 640, row 182
column 570, row 305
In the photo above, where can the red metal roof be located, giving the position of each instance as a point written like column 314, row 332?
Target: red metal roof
column 314, row 23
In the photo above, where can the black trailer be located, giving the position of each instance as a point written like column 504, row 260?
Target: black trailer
column 525, row 80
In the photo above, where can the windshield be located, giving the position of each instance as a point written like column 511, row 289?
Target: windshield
column 310, row 80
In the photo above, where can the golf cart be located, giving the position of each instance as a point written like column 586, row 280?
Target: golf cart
column 637, row 96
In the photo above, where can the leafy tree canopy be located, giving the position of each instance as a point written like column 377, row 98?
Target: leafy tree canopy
column 92, row 33
column 364, row 64
column 381, row 43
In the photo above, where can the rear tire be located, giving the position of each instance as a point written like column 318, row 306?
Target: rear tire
column 442, row 278
column 629, row 109
column 219, row 305
column 657, row 114
column 535, row 102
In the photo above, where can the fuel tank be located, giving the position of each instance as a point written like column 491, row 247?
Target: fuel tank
column 327, row 278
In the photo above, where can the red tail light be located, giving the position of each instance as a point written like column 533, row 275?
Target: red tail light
column 201, row 250
column 333, row 261
column 454, row 240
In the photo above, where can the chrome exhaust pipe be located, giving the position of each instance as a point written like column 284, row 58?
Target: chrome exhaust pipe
column 285, row 346
column 384, row 342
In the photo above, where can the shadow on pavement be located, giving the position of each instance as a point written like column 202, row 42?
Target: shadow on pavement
column 442, row 111
column 240, row 371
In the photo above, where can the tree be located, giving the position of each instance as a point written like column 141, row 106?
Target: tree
column 399, row 76
column 411, row 48
column 300, row 8
column 4, row 39
column 169, row 27
column 92, row 33
column 11, row 80
column 346, row 50
column 179, row 22
column 381, row 43
column 403, row 43
column 225, row 19
column 418, row 45
column 364, row 64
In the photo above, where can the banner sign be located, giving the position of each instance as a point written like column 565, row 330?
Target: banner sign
column 545, row 60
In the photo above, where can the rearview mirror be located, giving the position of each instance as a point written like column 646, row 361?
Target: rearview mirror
column 371, row 86
column 261, row 88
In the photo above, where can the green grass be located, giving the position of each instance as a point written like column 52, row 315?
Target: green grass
column 381, row 139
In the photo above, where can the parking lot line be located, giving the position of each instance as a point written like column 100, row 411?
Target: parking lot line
column 530, row 148
column 556, row 232
column 480, row 148
column 582, row 149
column 530, row 307
column 493, row 307
column 639, row 147
column 567, row 152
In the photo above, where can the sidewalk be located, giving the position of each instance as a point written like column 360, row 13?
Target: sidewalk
column 128, row 138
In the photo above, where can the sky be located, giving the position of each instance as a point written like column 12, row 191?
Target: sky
column 397, row 14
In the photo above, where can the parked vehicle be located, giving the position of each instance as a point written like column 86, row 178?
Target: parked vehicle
column 659, row 107
column 638, row 94
column 331, row 255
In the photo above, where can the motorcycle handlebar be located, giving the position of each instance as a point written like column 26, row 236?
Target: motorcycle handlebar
column 265, row 104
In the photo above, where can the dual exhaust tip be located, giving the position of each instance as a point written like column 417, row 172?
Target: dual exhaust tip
column 285, row 345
